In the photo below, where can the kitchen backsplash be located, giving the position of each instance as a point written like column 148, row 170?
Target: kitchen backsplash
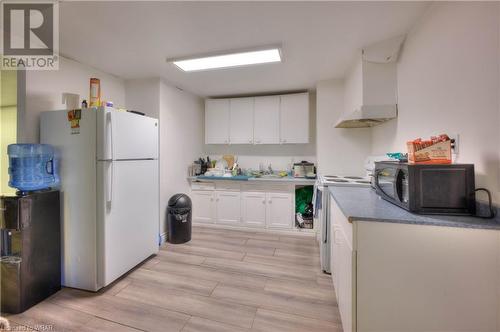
column 277, row 162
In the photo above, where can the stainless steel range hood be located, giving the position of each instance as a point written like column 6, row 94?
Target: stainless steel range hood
column 368, row 116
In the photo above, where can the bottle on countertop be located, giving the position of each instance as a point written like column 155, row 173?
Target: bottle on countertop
column 84, row 104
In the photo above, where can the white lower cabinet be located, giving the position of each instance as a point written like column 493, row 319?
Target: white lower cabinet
column 248, row 207
column 279, row 210
column 342, row 266
column 253, row 209
column 228, row 207
column 405, row 277
column 203, row 206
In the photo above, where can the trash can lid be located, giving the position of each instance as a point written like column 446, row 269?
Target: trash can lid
column 179, row 201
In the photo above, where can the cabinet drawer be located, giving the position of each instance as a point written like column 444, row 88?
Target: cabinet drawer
column 202, row 186
column 228, row 186
column 266, row 187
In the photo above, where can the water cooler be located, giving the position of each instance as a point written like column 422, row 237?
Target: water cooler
column 31, row 249
column 30, row 229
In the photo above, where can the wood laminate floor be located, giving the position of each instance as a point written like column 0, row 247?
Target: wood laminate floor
column 222, row 280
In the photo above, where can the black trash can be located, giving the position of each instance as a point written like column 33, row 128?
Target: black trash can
column 179, row 219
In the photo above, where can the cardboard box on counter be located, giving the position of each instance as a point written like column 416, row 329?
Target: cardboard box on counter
column 437, row 153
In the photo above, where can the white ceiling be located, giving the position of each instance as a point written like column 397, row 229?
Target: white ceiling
column 319, row 39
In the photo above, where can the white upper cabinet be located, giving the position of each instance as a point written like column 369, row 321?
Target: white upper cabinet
column 241, row 116
column 217, row 121
column 282, row 119
column 267, row 120
column 294, row 118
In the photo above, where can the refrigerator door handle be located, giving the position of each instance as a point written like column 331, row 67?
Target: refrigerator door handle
column 109, row 184
column 109, row 121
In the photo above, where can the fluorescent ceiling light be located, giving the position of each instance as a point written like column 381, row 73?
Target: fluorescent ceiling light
column 228, row 60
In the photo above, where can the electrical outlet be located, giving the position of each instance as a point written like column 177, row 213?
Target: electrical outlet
column 455, row 141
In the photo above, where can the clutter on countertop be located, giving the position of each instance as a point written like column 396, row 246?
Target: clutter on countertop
column 436, row 150
column 402, row 157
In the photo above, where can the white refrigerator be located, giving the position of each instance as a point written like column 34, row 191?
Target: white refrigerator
column 108, row 164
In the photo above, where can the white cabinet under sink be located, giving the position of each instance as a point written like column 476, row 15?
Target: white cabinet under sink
column 253, row 209
column 244, row 205
column 279, row 119
column 227, row 207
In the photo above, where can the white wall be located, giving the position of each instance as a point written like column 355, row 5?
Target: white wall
column 181, row 141
column 143, row 95
column 45, row 89
column 181, row 120
column 448, row 83
column 339, row 150
column 278, row 155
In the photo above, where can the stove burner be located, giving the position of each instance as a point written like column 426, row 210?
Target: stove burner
column 363, row 181
column 353, row 177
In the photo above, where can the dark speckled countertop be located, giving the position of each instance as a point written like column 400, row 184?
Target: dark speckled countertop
column 363, row 204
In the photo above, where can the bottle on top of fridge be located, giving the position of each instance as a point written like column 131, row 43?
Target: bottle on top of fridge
column 95, row 92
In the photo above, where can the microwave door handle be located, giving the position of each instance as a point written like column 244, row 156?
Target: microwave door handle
column 377, row 186
column 398, row 184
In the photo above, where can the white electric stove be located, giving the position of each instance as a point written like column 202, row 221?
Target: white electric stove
column 346, row 181
column 322, row 215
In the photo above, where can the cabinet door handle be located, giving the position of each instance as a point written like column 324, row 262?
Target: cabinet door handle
column 264, row 201
column 270, row 201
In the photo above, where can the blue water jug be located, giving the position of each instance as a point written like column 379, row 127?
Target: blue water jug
column 32, row 167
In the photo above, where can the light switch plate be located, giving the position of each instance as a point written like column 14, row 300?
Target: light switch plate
column 455, row 145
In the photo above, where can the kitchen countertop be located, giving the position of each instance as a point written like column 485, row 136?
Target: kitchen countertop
column 363, row 204
column 286, row 179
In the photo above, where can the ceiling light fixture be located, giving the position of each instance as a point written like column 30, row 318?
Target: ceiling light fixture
column 228, row 60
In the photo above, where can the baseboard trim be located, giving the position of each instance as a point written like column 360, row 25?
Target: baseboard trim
column 163, row 238
column 297, row 231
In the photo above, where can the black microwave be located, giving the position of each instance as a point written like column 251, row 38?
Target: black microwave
column 427, row 188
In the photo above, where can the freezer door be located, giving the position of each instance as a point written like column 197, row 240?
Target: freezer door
column 125, row 136
column 128, row 216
